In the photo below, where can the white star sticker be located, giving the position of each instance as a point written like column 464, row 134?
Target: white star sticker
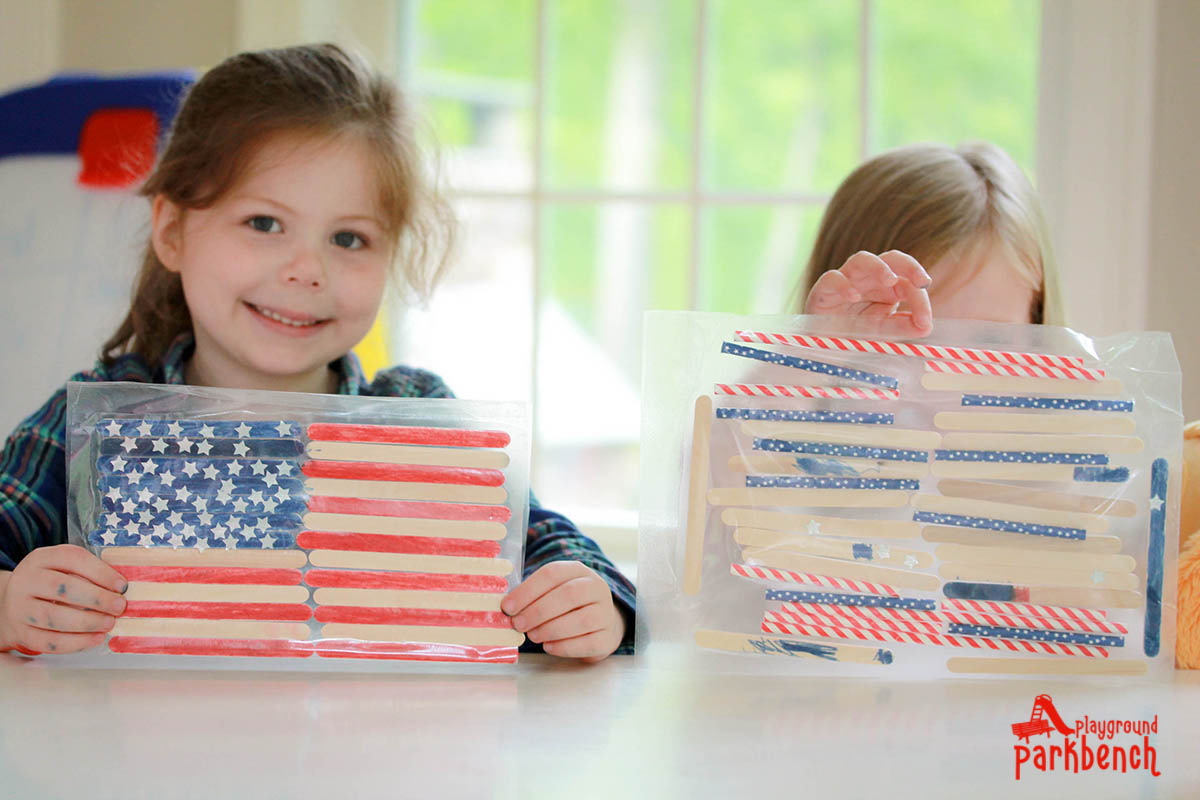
column 168, row 479
column 182, row 494
column 189, row 469
column 189, row 530
column 129, row 445
column 160, row 530
column 174, row 429
column 175, row 518
column 159, row 445
column 210, row 472
column 239, row 505
column 108, row 537
column 262, row 524
column 230, row 542
column 201, row 544
column 256, row 497
column 143, row 496
column 185, row 445
column 284, row 429
column 145, row 517
column 201, row 503
column 207, row 431
column 269, row 505
column 176, row 540
column 114, row 494
column 217, row 530
column 270, row 480
column 258, row 468
column 1156, row 503
column 1097, row 576
column 243, row 430
column 112, row 520
column 129, row 506
column 206, row 520
column 118, row 464
column 240, row 449
column 204, row 448
column 145, row 540
column 160, row 504
column 283, row 494
column 144, row 428
column 131, row 527
column 814, row 527
column 235, row 467
column 114, row 428
column 268, row 541
column 149, row 466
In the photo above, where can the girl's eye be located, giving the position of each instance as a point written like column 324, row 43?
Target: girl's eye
column 349, row 240
column 264, row 224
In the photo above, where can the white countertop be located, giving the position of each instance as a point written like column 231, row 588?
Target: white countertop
column 555, row 729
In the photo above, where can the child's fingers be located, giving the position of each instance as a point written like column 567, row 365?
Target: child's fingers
column 832, row 290
column 575, row 593
column 70, row 558
column 539, row 583
column 65, row 619
column 908, row 267
column 913, row 288
column 595, row 645
column 62, row 587
column 588, row 619
column 52, row 642
column 868, row 272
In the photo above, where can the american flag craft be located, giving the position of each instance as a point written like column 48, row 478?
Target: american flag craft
column 294, row 539
column 930, row 498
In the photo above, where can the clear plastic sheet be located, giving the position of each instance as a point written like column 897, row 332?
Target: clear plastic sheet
column 1008, row 507
column 299, row 531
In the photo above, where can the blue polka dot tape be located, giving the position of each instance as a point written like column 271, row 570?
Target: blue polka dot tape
column 782, row 415
column 987, row 523
column 1020, row 457
column 1037, row 635
column 843, row 450
column 1057, row 403
column 838, row 599
column 803, row 482
column 808, row 365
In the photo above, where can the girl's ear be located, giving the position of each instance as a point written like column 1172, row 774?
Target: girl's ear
column 166, row 231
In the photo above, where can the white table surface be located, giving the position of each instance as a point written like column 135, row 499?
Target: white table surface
column 553, row 729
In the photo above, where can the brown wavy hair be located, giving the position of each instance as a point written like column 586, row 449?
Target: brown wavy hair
column 930, row 200
column 312, row 90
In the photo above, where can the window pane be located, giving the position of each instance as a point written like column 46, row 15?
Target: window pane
column 477, row 332
column 619, row 93
column 473, row 74
column 782, row 94
column 604, row 265
column 754, row 257
column 950, row 72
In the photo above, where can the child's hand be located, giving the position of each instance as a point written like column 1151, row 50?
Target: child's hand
column 569, row 609
column 870, row 285
column 58, row 600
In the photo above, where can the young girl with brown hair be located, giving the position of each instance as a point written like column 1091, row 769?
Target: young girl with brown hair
column 288, row 188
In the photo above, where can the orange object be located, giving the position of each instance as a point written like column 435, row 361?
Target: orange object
column 117, row 147
column 1187, row 643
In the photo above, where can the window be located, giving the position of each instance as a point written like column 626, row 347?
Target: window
column 612, row 156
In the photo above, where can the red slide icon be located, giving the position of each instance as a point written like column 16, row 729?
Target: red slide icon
column 1044, row 714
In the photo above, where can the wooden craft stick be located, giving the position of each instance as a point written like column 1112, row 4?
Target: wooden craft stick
column 402, row 526
column 1036, row 558
column 403, row 434
column 824, row 526
column 1058, row 501
column 1004, row 573
column 898, row 578
column 1043, row 595
column 421, row 633
column 1084, row 422
column 1016, row 513
column 882, row 435
column 949, row 382
column 413, row 473
column 783, row 463
column 213, row 557
column 697, row 486
column 408, row 454
column 393, row 598
column 171, row 646
column 461, row 512
column 414, row 651
column 141, row 591
column 834, row 548
column 830, row 498
column 981, row 538
column 408, row 563
column 1044, row 442
column 210, row 628
column 440, row 617
column 1046, row 666
column 390, row 490
column 987, row 470
column 244, row 576
column 404, row 581
column 408, row 545
column 758, row 644
column 267, row 612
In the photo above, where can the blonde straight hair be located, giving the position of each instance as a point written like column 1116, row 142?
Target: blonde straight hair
column 931, row 201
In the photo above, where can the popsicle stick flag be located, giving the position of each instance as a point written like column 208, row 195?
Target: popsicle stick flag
column 215, row 523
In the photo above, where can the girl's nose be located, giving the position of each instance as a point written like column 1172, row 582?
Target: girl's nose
column 305, row 268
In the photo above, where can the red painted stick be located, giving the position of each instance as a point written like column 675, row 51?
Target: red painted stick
column 413, row 616
column 412, row 545
column 414, row 651
column 410, row 509
column 392, row 434
column 238, row 575
column 291, row 612
column 259, row 648
column 364, row 579
column 409, row 473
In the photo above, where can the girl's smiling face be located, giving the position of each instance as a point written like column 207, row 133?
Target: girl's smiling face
column 285, row 272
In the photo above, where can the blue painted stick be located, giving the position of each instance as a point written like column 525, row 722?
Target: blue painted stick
column 987, row 523
column 1154, row 556
column 235, row 448
column 809, row 365
column 1060, row 403
column 1101, row 475
column 805, row 482
column 842, row 450
column 1020, row 457
column 791, row 415
column 198, row 429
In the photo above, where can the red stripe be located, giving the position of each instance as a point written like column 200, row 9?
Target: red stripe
column 413, row 651
column 413, row 616
column 383, row 543
column 238, row 575
column 405, row 508
column 297, row 612
column 363, row 579
column 366, row 471
column 262, row 648
column 391, row 434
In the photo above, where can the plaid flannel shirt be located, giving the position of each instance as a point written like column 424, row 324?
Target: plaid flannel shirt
column 33, row 472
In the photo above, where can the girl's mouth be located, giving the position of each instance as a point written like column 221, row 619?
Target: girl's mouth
column 288, row 319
